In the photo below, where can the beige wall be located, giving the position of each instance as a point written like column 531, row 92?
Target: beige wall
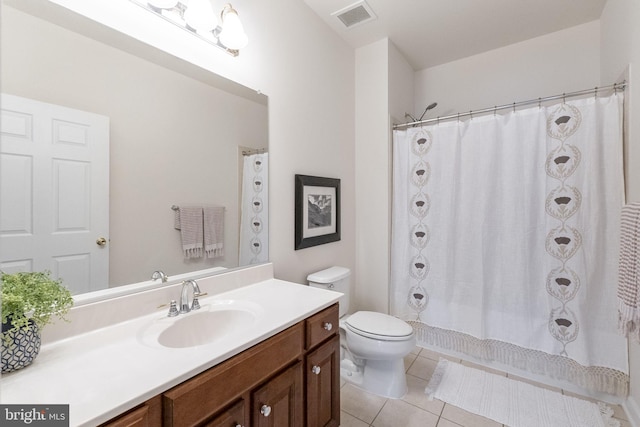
column 384, row 90
column 560, row 62
column 621, row 57
column 372, row 177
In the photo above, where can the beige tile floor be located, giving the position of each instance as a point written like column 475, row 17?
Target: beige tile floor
column 362, row 409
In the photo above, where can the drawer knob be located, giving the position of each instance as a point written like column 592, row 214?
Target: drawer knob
column 316, row 369
column 328, row 326
column 238, row 425
column 265, row 410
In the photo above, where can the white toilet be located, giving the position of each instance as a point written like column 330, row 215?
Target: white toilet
column 373, row 345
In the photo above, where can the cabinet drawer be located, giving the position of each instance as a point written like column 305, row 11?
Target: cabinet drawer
column 321, row 326
column 197, row 399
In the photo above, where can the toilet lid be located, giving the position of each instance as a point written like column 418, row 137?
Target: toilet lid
column 378, row 325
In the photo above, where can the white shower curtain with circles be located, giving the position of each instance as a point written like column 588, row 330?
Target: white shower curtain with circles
column 505, row 239
column 254, row 221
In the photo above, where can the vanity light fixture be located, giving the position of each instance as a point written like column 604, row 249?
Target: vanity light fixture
column 198, row 17
column 232, row 34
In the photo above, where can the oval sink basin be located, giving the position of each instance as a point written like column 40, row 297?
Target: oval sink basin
column 207, row 325
column 204, row 327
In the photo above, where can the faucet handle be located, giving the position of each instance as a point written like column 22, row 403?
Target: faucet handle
column 195, row 305
column 173, row 309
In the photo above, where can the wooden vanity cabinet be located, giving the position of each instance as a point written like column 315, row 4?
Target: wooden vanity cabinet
column 197, row 400
column 289, row 380
column 322, row 363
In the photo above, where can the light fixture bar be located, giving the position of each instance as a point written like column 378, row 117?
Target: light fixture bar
column 175, row 16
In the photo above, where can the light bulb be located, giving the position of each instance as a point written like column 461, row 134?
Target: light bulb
column 200, row 16
column 232, row 35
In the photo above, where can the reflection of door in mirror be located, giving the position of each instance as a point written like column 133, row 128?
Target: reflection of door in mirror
column 54, row 192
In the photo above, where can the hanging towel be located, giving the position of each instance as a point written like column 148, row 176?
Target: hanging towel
column 213, row 231
column 189, row 220
column 629, row 272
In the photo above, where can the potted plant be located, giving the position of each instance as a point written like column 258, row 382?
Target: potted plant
column 29, row 300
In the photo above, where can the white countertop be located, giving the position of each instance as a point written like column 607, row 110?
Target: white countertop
column 103, row 373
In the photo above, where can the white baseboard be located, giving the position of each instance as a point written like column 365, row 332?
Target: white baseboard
column 632, row 409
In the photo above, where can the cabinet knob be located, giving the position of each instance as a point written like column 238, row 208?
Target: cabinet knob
column 328, row 326
column 265, row 410
column 316, row 369
column 238, row 425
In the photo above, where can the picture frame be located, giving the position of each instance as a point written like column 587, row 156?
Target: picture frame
column 317, row 211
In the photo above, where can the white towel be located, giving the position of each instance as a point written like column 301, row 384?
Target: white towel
column 213, row 231
column 629, row 272
column 189, row 220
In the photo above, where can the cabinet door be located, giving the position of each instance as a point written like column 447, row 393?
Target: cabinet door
column 278, row 403
column 232, row 417
column 323, row 385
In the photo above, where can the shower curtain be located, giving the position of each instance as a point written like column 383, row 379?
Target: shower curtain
column 254, row 221
column 505, row 239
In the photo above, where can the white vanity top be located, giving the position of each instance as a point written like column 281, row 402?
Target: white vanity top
column 107, row 371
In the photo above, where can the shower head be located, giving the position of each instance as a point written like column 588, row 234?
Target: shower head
column 429, row 107
column 409, row 116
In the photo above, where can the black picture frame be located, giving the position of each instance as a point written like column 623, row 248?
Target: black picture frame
column 317, row 211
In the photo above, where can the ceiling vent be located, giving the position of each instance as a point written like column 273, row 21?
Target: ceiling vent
column 355, row 14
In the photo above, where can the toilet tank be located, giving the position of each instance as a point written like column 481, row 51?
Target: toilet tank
column 334, row 279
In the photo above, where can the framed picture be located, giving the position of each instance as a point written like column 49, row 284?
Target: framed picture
column 317, row 211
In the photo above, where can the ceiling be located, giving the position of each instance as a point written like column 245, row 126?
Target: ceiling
column 433, row 32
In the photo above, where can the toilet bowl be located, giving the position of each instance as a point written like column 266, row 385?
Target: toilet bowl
column 373, row 345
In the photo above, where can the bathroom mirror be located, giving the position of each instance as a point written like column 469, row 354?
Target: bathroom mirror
column 178, row 134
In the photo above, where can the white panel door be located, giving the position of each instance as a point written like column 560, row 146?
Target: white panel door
column 54, row 192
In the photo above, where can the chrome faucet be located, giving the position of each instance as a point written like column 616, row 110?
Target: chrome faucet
column 184, row 296
column 159, row 274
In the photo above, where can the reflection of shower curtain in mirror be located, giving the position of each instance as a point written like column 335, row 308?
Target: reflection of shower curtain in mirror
column 505, row 239
column 254, row 223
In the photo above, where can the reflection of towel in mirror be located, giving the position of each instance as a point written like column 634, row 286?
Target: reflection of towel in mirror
column 213, row 231
column 189, row 221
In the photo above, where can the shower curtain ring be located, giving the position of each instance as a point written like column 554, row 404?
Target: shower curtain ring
column 514, row 107
column 539, row 102
column 564, row 98
column 595, row 92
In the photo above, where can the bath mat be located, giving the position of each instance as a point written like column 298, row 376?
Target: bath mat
column 513, row 403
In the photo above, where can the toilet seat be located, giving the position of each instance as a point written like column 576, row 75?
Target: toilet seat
column 378, row 326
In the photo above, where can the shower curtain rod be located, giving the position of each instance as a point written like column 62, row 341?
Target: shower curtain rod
column 615, row 87
column 254, row 151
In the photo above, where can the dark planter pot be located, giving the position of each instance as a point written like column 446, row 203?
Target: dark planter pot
column 19, row 346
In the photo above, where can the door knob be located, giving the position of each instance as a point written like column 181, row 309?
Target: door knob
column 265, row 410
column 316, row 369
column 101, row 241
